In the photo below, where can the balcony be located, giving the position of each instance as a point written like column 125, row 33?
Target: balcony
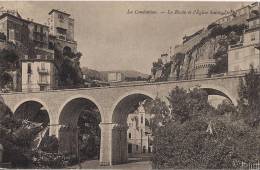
column 43, row 70
column 239, row 44
column 43, row 82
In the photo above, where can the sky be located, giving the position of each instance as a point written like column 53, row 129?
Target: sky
column 111, row 38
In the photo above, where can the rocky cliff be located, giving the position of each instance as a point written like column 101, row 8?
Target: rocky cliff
column 210, row 44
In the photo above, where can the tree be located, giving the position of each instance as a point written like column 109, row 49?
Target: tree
column 187, row 104
column 89, row 134
column 49, row 144
column 8, row 56
column 5, row 79
column 249, row 98
column 189, row 133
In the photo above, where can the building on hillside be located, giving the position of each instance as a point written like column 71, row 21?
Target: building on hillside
column 165, row 58
column 139, row 134
column 241, row 12
column 61, row 27
column 14, row 28
column 39, row 74
column 123, row 76
column 36, row 43
column 246, row 52
column 202, row 67
column 39, row 35
column 115, row 76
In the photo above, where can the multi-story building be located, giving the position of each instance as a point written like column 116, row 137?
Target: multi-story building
column 235, row 16
column 62, row 29
column 139, row 134
column 246, row 52
column 37, row 42
column 39, row 34
column 38, row 74
column 115, row 76
column 14, row 28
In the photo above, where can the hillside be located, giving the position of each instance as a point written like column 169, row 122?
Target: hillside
column 209, row 43
column 127, row 73
column 102, row 75
column 92, row 74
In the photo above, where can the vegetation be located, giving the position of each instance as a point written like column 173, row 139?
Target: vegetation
column 190, row 133
column 9, row 60
column 89, row 135
column 68, row 66
column 231, row 36
column 249, row 98
column 17, row 137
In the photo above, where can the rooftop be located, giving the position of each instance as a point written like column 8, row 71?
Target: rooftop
column 10, row 15
column 56, row 10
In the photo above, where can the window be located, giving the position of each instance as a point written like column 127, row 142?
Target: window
column 29, row 80
column 129, row 148
column 144, row 149
column 142, row 119
column 43, row 79
column 29, row 68
column 60, row 16
column 254, row 23
column 252, row 37
column 11, row 34
column 136, row 147
column 43, row 88
column 43, row 66
column 129, row 135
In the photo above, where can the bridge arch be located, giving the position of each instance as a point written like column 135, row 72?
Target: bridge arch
column 124, row 105
column 70, row 114
column 219, row 90
column 32, row 109
column 128, row 94
column 88, row 98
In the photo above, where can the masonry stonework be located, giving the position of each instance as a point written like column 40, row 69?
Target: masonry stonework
column 108, row 100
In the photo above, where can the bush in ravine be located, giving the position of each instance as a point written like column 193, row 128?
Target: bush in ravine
column 17, row 135
column 49, row 144
column 48, row 160
column 189, row 133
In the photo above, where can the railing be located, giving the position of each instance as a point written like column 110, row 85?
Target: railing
column 43, row 70
column 197, row 77
column 42, row 82
column 240, row 44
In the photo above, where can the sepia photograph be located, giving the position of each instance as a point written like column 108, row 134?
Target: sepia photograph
column 130, row 85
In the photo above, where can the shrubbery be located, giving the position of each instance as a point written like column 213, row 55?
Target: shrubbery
column 17, row 137
column 48, row 160
column 189, row 133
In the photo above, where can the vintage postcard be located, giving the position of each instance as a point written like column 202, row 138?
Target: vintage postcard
column 129, row 85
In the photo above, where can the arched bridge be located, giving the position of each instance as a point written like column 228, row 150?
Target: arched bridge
column 113, row 103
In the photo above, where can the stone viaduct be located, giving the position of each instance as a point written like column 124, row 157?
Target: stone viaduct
column 113, row 103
